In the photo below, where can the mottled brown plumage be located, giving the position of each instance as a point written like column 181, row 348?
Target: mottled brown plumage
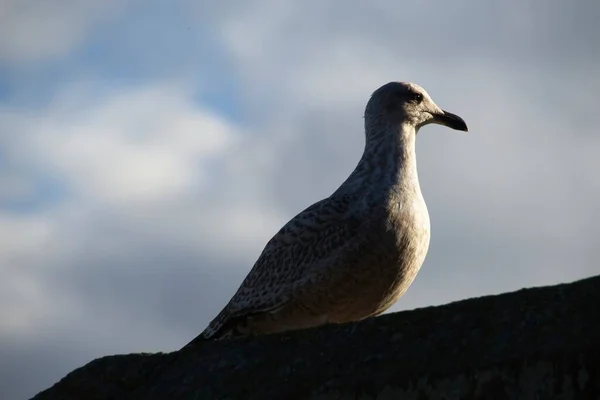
column 353, row 254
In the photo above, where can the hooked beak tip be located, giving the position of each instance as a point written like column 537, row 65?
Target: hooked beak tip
column 451, row 121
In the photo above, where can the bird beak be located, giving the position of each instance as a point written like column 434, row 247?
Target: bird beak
column 450, row 120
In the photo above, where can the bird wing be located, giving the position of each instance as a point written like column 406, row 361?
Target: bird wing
column 306, row 242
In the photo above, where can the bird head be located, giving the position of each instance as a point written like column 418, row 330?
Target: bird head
column 398, row 103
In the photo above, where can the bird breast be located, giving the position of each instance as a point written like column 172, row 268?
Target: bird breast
column 408, row 231
column 408, row 222
column 398, row 239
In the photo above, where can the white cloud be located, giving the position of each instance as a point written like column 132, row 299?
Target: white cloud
column 137, row 167
column 26, row 302
column 136, row 146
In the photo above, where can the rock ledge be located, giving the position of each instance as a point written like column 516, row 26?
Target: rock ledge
column 534, row 343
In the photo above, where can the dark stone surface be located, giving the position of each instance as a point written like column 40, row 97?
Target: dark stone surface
column 534, row 343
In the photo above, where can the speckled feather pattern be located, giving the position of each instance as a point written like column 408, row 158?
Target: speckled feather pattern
column 347, row 257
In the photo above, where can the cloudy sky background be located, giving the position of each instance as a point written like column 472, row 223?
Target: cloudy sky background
column 149, row 149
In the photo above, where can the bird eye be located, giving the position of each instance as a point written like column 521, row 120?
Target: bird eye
column 417, row 97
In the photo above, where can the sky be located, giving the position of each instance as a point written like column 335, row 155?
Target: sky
column 150, row 149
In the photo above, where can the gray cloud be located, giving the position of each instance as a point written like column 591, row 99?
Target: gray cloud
column 38, row 30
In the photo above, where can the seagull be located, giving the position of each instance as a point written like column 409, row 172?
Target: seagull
column 352, row 255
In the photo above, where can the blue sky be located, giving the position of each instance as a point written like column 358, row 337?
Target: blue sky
column 148, row 151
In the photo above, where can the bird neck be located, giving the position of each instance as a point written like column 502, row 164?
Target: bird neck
column 388, row 164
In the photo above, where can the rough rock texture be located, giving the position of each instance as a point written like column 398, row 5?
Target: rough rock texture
column 536, row 343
